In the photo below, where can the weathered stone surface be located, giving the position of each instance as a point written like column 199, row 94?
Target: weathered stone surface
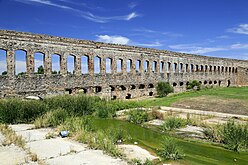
column 132, row 79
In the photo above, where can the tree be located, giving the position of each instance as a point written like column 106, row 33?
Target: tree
column 40, row 70
column 163, row 89
column 194, row 85
column 4, row 73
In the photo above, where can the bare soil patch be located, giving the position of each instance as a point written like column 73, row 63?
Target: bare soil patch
column 216, row 104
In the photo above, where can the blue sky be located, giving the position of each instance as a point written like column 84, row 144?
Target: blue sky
column 211, row 27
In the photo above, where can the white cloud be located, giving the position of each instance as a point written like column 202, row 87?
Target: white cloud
column 192, row 49
column 87, row 15
column 239, row 46
column 168, row 34
column 132, row 5
column 223, row 37
column 154, row 44
column 3, row 66
column 113, row 39
column 20, row 66
column 241, row 29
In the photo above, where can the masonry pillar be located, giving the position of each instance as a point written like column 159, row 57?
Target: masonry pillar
column 48, row 63
column 113, row 66
column 30, row 62
column 157, row 67
column 133, row 66
column 78, row 65
column 142, row 66
column 91, row 65
column 10, row 62
column 63, row 64
column 102, row 65
column 124, row 66
column 149, row 67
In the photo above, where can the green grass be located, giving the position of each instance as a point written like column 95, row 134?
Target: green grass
column 196, row 152
column 226, row 93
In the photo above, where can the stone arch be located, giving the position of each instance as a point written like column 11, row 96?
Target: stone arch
column 174, row 84
column 197, row 68
column 39, row 60
column 210, row 82
column 228, row 83
column 206, row 68
column 187, row 83
column 191, row 68
column 3, row 62
column 161, row 67
column 186, row 67
column 138, row 64
column 20, row 62
column 230, row 69
column 150, row 93
column 83, row 90
column 129, row 65
column 219, row 82
column 128, row 96
column 215, row 82
column 141, row 86
column 109, row 63
column 181, row 83
column 218, row 69
column 146, row 66
column 98, row 89
column 210, row 68
column 236, row 70
column 119, row 65
column 205, row 82
column 200, row 82
column 132, row 87
column 175, row 67
column 112, row 88
column 123, row 88
column 181, row 67
column 201, row 68
column 154, row 66
column 168, row 67
column 85, row 64
column 226, row 69
column 97, row 65
column 56, row 63
column 150, row 86
column 222, row 68
column 214, row 68
column 71, row 61
column 233, row 69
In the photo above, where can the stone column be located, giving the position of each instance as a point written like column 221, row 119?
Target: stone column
column 133, row 66
column 142, row 66
column 113, row 66
column 91, row 65
column 102, row 65
column 124, row 66
column 30, row 62
column 63, row 64
column 10, row 58
column 48, row 63
column 149, row 69
column 157, row 67
column 77, row 66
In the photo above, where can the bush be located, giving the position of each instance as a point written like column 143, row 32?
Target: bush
column 104, row 110
column 213, row 133
column 163, row 89
column 52, row 118
column 19, row 111
column 137, row 116
column 117, row 134
column 171, row 123
column 194, row 85
column 235, row 136
column 170, row 149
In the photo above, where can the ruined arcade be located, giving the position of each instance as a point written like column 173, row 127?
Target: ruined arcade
column 123, row 71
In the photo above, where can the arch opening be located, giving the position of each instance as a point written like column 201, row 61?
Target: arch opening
column 108, row 65
column 97, row 65
column 146, row 66
column 174, row 84
column 71, row 60
column 150, row 93
column 3, row 62
column 129, row 65
column 119, row 65
column 128, row 96
column 39, row 59
column 85, row 64
column 20, row 62
column 56, row 63
column 138, row 63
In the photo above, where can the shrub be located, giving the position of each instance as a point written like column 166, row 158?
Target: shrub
column 171, row 123
column 170, row 149
column 104, row 110
column 117, row 134
column 235, row 136
column 19, row 111
column 194, row 85
column 163, row 89
column 137, row 116
column 51, row 118
column 213, row 133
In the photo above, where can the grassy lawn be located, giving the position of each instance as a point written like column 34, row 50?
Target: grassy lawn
column 195, row 152
column 232, row 99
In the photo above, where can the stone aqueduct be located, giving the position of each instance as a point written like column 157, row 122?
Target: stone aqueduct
column 133, row 71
